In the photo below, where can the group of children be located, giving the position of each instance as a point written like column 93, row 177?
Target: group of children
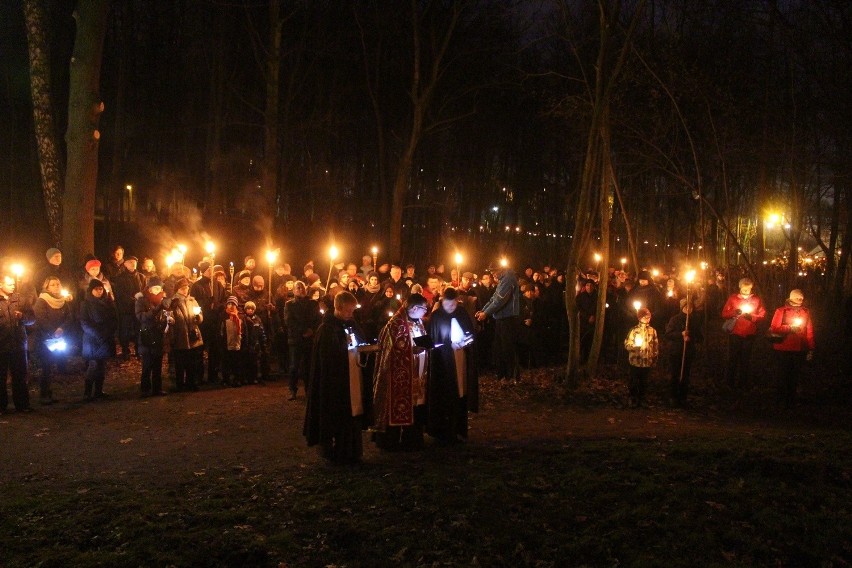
column 245, row 344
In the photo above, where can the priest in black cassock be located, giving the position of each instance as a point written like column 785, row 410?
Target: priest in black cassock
column 453, row 386
column 335, row 400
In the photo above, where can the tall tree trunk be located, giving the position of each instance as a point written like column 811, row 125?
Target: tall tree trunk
column 82, row 137
column 607, row 73
column 45, row 133
column 213, row 199
column 421, row 97
column 271, row 159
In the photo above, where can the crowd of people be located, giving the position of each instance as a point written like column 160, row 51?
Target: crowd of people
column 234, row 327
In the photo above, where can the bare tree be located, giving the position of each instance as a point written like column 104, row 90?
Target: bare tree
column 45, row 133
column 82, row 137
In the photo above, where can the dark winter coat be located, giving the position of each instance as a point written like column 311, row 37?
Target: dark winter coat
column 99, row 322
column 13, row 336
column 152, row 324
column 125, row 286
column 48, row 319
column 329, row 408
column 300, row 315
column 442, row 387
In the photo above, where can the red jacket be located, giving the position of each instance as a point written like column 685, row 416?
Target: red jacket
column 743, row 326
column 782, row 322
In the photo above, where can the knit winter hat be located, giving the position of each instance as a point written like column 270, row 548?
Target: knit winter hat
column 233, row 300
column 250, row 304
column 181, row 282
column 644, row 276
column 203, row 266
column 51, row 252
column 154, row 281
column 92, row 264
column 243, row 274
column 218, row 269
column 95, row 283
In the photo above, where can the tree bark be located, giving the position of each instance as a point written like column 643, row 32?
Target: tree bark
column 82, row 137
column 45, row 133
column 271, row 159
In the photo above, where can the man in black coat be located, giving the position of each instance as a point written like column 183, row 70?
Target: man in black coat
column 212, row 299
column 125, row 285
column 13, row 346
column 301, row 317
column 335, row 397
column 453, row 386
column 680, row 359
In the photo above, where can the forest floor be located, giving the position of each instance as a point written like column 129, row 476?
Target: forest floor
column 549, row 477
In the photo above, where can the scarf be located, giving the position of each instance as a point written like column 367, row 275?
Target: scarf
column 154, row 299
column 372, row 289
column 232, row 312
column 52, row 301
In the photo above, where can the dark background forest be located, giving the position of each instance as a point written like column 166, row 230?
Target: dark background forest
column 293, row 124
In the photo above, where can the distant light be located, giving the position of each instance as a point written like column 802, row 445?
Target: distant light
column 495, row 208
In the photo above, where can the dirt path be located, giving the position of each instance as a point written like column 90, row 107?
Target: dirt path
column 182, row 436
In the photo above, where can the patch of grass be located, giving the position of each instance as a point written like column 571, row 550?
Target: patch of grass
column 687, row 502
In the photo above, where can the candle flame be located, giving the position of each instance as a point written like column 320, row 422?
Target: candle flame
column 210, row 247
column 64, row 293
column 746, row 308
column 17, row 270
column 638, row 341
column 798, row 322
column 636, row 305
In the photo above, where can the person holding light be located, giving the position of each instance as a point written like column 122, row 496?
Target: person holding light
column 792, row 324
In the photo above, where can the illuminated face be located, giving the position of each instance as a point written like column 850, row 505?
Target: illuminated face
column 454, row 274
column 745, row 289
column 366, row 260
column 56, row 259
column 148, row 265
column 183, row 290
column 118, row 254
column 486, row 280
column 130, row 265
column 94, row 271
column 54, row 287
column 250, row 311
column 409, row 271
column 465, row 281
column 246, row 281
column 299, row 290
column 315, row 295
column 345, row 311
column 257, row 286
column 99, row 291
column 250, row 264
column 8, row 285
column 396, row 273
column 344, row 278
column 417, row 312
column 449, row 305
column 374, row 280
column 388, row 292
column 351, row 270
column 433, row 284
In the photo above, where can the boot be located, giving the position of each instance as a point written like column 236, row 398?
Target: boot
column 99, row 388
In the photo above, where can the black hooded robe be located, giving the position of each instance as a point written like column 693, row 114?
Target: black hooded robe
column 328, row 417
column 446, row 410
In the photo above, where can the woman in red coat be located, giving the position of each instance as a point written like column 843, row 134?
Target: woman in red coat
column 793, row 323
